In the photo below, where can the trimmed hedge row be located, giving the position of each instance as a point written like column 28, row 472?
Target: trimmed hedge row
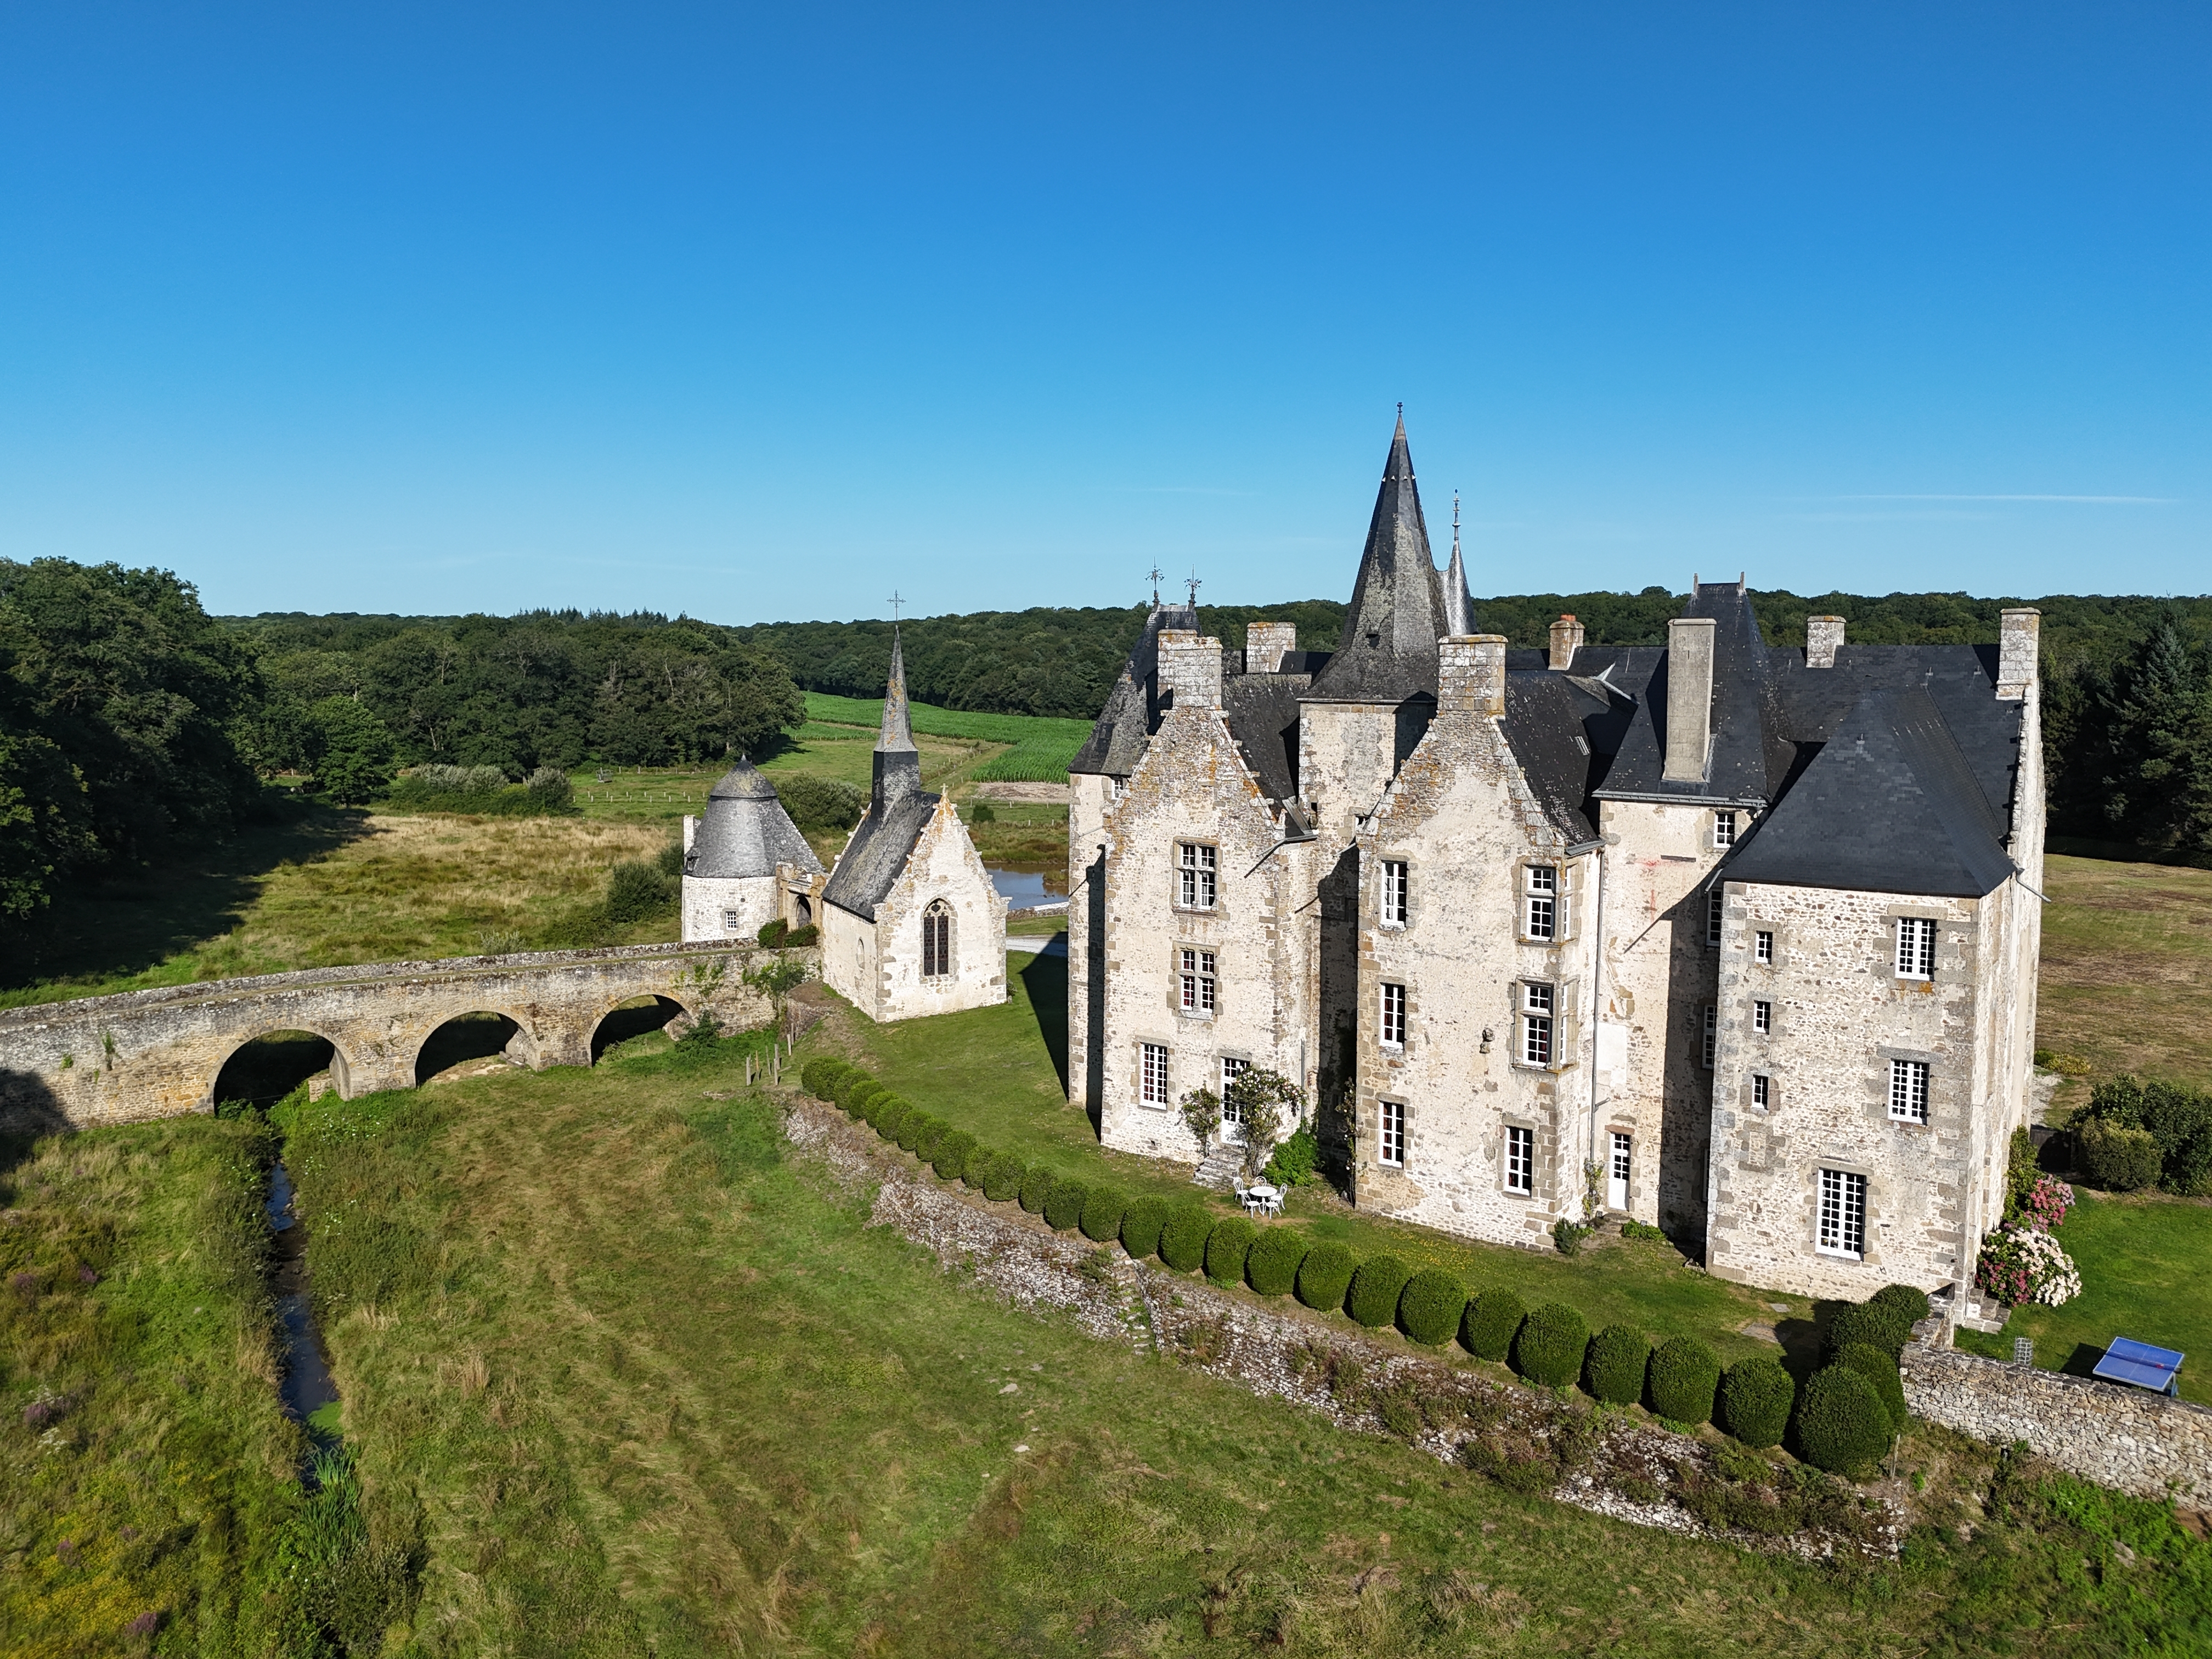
column 1845, row 1418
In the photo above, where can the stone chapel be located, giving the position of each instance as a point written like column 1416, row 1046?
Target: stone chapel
column 911, row 924
column 1740, row 940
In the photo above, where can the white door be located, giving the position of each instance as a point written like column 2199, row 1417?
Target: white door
column 1616, row 1184
column 1231, row 1130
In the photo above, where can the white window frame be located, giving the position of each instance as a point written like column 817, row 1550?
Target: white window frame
column 732, row 921
column 1714, row 914
column 1152, row 1075
column 1394, row 891
column 1840, row 1215
column 1762, row 947
column 1390, row 1031
column 1762, row 1017
column 1762, row 1091
column 1199, row 991
column 1542, row 904
column 1709, row 1049
column 1391, row 1137
column 1198, row 875
column 1539, row 1015
column 1908, row 1091
column 1520, row 1161
column 1622, row 1165
column 1915, row 947
column 1723, row 828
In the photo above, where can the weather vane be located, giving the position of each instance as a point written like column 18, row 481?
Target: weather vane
column 896, row 603
column 1154, row 573
column 1194, row 585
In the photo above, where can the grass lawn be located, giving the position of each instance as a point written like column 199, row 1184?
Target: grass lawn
column 658, row 1387
column 996, row 1072
column 146, row 1472
column 2142, row 1258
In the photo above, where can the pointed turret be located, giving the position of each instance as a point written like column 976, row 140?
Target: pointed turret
column 897, row 762
column 1459, row 602
column 1389, row 652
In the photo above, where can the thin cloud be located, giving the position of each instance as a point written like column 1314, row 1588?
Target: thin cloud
column 2088, row 501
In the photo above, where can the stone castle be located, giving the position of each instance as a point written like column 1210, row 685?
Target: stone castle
column 1735, row 939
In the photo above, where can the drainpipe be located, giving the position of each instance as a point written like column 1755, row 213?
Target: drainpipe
column 1597, row 996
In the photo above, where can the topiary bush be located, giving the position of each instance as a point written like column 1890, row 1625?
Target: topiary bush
column 952, row 1153
column 1063, row 1205
column 1613, row 1370
column 1140, row 1226
column 1842, row 1424
column 975, row 1169
column 860, row 1095
column 1863, row 1322
column 1684, row 1376
column 1271, row 1266
column 1549, row 1346
column 1101, row 1220
column 1902, row 1304
column 814, row 1076
column 1430, row 1307
column 1324, row 1275
column 1037, row 1183
column 929, row 1133
column 1002, row 1178
column 1756, row 1396
column 1376, row 1288
column 1492, row 1321
column 2118, row 1158
column 889, row 1112
column 1182, row 1237
column 1879, row 1369
column 1226, row 1247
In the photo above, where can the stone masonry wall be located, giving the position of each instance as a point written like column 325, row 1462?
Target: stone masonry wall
column 2128, row 1439
column 943, row 865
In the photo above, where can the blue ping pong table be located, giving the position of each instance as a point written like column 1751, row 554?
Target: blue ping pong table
column 2129, row 1361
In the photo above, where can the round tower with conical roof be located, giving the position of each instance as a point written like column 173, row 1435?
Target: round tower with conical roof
column 731, row 856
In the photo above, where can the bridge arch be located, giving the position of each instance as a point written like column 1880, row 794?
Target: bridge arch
column 635, row 1017
column 472, row 1034
column 262, row 1068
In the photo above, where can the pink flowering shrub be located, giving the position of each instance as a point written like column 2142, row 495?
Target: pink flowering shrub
column 2024, row 1264
column 2044, row 1206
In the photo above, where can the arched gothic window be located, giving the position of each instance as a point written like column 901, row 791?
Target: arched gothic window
column 937, row 940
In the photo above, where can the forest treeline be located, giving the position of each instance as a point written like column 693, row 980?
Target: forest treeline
column 131, row 721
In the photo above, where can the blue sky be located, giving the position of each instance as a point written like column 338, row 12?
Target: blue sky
column 759, row 312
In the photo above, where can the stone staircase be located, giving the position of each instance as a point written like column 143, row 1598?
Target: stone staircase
column 1222, row 1166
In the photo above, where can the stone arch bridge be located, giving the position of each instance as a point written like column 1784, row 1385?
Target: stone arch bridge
column 158, row 1053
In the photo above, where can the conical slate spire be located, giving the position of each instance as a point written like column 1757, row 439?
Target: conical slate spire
column 1388, row 651
column 1459, row 602
column 897, row 762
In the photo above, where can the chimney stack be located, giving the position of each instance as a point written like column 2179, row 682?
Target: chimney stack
column 2017, row 649
column 1265, row 645
column 1822, row 636
column 1566, row 639
column 1471, row 674
column 1689, row 698
column 1190, row 668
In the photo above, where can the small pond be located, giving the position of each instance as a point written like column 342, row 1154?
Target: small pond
column 1023, row 890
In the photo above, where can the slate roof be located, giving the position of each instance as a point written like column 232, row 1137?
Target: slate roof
column 744, row 832
column 1891, row 804
column 879, row 851
column 1133, row 707
column 1547, row 720
column 1389, row 649
column 1743, row 762
column 1262, row 711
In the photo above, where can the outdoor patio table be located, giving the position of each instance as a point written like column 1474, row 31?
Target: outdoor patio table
column 1272, row 1197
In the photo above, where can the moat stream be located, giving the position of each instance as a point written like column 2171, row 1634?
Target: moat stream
column 306, row 1391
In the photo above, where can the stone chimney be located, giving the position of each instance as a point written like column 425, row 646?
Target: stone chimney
column 1471, row 674
column 1689, row 698
column 2019, row 642
column 1822, row 636
column 1265, row 645
column 1566, row 639
column 1190, row 668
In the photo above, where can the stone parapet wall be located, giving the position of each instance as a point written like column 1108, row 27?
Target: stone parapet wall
column 2128, row 1439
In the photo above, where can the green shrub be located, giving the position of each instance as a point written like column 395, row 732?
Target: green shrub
column 814, row 1075
column 638, row 892
column 820, row 803
column 1226, row 1247
column 1037, row 1185
column 1002, row 1178
column 1324, row 1275
column 1756, row 1396
column 928, row 1130
column 1684, row 1376
column 772, row 932
column 1549, row 1349
column 2115, row 1158
column 1292, row 1161
column 1430, row 1306
column 1494, row 1320
column 855, row 1091
column 1879, row 1369
column 1182, row 1238
column 1613, row 1370
column 799, row 938
column 2178, row 1119
column 1140, row 1226
column 1101, row 1220
column 1902, row 1304
column 1376, row 1288
column 1643, row 1229
column 1063, row 1205
column 1271, row 1266
column 1842, row 1424
column 952, row 1154
column 889, row 1113
column 975, row 1171
column 1863, row 1322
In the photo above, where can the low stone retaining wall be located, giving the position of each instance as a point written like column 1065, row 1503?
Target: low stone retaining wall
column 1605, row 1462
column 2128, row 1439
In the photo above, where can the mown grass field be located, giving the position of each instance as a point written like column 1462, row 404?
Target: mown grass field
column 658, row 1387
column 2127, row 971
